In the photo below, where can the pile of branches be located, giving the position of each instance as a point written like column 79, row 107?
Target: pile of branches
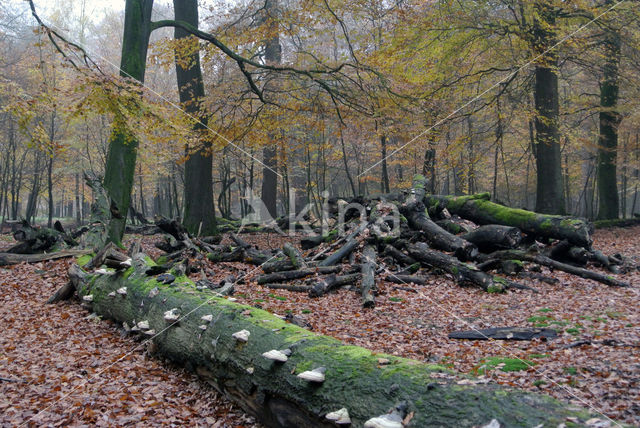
column 404, row 238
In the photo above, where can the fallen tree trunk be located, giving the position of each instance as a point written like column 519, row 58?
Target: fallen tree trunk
column 331, row 282
column 35, row 240
column 7, row 259
column 462, row 272
column 494, row 237
column 548, row 262
column 224, row 343
column 368, row 269
column 479, row 209
column 296, row 274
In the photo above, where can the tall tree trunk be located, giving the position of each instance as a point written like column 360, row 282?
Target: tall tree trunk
column 272, row 55
column 123, row 146
column 199, row 211
column 550, row 192
column 609, row 121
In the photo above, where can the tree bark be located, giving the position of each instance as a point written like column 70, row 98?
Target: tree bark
column 272, row 56
column 462, row 272
column 546, row 261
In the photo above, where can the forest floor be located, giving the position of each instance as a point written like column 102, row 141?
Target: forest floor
column 79, row 370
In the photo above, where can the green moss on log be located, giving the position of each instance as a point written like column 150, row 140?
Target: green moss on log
column 479, row 209
column 354, row 378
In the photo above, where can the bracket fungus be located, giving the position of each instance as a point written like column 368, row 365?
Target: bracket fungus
column 241, row 336
column 315, row 375
column 207, row 318
column 394, row 419
column 88, row 298
column 339, row 417
column 122, row 291
column 275, row 355
column 171, row 315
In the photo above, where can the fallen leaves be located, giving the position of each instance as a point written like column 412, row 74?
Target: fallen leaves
column 77, row 370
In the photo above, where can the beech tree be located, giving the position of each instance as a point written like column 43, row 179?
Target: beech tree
column 199, row 212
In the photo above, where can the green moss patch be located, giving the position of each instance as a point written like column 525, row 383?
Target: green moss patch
column 504, row 364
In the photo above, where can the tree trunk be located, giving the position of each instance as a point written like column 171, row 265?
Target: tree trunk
column 385, row 173
column 549, row 194
column 271, row 391
column 272, row 56
column 479, row 209
column 609, row 120
column 199, row 212
column 123, row 145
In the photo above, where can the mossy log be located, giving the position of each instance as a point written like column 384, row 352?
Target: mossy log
column 35, row 240
column 202, row 339
column 480, row 210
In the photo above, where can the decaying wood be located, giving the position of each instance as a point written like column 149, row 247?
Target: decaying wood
column 415, row 212
column 271, row 391
column 343, row 252
column 480, row 210
column 462, row 272
column 406, row 279
column 548, row 262
column 77, row 277
column 294, row 255
column 494, row 237
column 289, row 287
column 296, row 274
column 35, row 240
column 368, row 288
column 7, row 259
column 399, row 256
column 505, row 333
column 331, row 282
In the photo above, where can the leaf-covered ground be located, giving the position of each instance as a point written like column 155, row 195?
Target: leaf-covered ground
column 70, row 362
column 68, row 368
